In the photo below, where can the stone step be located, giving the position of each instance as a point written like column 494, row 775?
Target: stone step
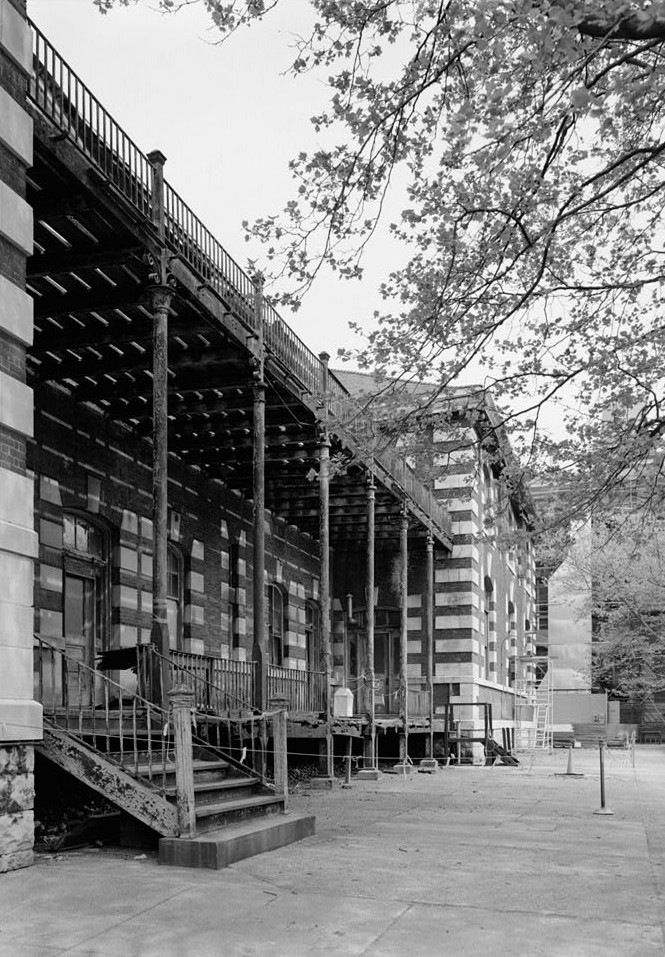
column 219, row 848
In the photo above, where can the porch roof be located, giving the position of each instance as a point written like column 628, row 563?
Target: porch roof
column 95, row 244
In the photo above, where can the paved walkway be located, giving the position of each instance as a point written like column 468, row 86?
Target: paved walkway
column 470, row 861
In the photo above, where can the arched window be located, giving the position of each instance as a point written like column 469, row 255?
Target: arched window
column 277, row 616
column 174, row 591
column 313, row 636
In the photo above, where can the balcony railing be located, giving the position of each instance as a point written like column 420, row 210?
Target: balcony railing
column 296, row 690
column 387, row 705
column 68, row 103
column 221, row 686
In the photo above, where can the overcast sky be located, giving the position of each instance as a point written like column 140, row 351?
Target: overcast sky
column 226, row 117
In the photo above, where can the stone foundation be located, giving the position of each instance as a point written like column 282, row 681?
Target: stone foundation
column 17, row 793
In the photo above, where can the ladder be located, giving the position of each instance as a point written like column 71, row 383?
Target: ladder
column 533, row 711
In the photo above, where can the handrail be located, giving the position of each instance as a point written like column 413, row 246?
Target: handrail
column 79, row 712
column 93, row 717
column 63, row 97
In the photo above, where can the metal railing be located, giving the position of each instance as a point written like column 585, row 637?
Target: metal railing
column 134, row 733
column 297, row 690
column 87, row 704
column 68, row 103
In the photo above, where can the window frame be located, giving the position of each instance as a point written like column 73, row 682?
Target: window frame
column 276, row 639
column 173, row 553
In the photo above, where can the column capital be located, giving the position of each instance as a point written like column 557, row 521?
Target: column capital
column 161, row 295
column 156, row 158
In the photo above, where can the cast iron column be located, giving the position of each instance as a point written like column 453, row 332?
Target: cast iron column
column 429, row 634
column 259, row 651
column 324, row 552
column 369, row 660
column 403, row 632
column 160, row 296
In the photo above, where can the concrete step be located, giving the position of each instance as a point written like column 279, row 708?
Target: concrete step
column 211, row 792
column 225, row 813
column 219, row 848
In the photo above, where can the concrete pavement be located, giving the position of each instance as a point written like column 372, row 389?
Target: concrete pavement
column 469, row 861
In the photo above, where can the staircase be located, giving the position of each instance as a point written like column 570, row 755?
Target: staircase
column 209, row 808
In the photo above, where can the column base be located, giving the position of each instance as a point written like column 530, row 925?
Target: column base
column 322, row 782
column 368, row 774
column 404, row 768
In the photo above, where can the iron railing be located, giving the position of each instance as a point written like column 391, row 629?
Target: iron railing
column 68, row 103
column 134, row 733
column 87, row 704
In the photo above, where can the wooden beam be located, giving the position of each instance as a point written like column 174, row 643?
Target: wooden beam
column 52, row 265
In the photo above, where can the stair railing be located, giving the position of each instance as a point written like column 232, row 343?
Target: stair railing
column 255, row 744
column 224, row 723
column 126, row 728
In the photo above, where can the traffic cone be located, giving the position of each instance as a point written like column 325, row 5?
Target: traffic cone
column 569, row 771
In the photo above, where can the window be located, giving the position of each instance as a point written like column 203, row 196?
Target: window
column 174, row 597
column 84, row 599
column 313, row 636
column 485, row 649
column 277, row 610
column 80, row 535
column 542, row 604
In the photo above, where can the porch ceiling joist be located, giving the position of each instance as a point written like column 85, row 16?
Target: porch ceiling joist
column 89, row 277
column 52, row 266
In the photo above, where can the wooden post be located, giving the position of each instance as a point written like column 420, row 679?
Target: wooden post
column 403, row 632
column 369, row 660
column 429, row 633
column 281, row 760
column 349, row 752
column 259, row 650
column 182, row 705
column 160, row 296
column 324, row 554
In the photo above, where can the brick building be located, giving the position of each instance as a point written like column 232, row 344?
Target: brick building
column 172, row 537
column 484, row 590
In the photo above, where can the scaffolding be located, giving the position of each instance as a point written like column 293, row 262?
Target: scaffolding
column 534, row 706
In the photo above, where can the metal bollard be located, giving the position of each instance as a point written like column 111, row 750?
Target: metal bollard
column 602, row 809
